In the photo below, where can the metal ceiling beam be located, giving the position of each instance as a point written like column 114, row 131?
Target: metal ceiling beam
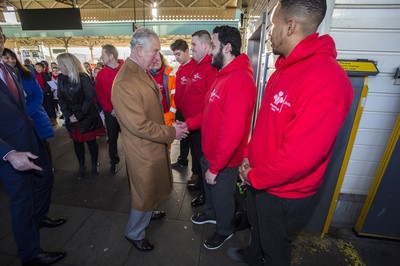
column 179, row 3
column 85, row 3
column 122, row 3
column 192, row 3
column 101, row 2
column 39, row 4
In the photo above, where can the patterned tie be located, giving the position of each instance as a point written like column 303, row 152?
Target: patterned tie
column 10, row 82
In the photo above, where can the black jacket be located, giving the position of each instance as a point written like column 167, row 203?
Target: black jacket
column 79, row 99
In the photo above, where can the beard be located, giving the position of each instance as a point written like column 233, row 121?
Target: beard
column 218, row 60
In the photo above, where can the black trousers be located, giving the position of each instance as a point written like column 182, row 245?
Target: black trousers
column 220, row 198
column 273, row 221
column 79, row 148
column 30, row 193
column 48, row 105
column 194, row 139
column 183, row 144
column 113, row 130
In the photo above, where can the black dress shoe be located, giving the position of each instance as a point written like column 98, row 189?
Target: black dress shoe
column 193, row 186
column 198, row 201
column 45, row 258
column 51, row 222
column 178, row 165
column 141, row 245
column 157, row 215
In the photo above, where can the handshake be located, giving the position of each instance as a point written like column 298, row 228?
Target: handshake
column 180, row 129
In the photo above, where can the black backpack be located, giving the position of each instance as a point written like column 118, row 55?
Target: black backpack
column 240, row 220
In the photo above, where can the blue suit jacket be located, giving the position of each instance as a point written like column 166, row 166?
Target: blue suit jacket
column 17, row 131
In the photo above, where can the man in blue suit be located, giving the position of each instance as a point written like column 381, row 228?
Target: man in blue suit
column 25, row 171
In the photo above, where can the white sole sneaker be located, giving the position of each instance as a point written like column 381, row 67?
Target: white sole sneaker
column 208, row 221
column 213, row 248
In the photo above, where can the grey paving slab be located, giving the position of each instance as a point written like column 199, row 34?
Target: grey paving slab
column 6, row 259
column 68, row 189
column 176, row 243
column 382, row 252
column 56, row 238
column 99, row 241
column 106, row 193
column 7, row 245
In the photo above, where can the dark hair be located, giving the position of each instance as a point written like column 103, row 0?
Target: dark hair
column 110, row 49
column 227, row 34
column 23, row 70
column 179, row 44
column 45, row 63
column 312, row 10
column 203, row 35
column 40, row 64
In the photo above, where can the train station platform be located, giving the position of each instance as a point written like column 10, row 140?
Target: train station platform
column 97, row 210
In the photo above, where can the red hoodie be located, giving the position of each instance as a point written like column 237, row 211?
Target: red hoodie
column 182, row 75
column 306, row 101
column 104, row 81
column 227, row 115
column 191, row 100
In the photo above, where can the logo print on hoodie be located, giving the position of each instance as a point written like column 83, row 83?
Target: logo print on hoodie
column 196, row 77
column 183, row 80
column 213, row 96
column 279, row 102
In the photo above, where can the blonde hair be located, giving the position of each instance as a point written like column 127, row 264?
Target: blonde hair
column 73, row 66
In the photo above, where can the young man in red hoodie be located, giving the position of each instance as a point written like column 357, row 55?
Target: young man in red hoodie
column 104, row 82
column 191, row 101
column 306, row 102
column 180, row 48
column 225, row 131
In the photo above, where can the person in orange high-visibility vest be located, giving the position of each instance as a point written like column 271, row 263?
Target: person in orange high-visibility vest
column 166, row 81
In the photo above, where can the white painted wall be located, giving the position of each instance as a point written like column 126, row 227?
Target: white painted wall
column 370, row 29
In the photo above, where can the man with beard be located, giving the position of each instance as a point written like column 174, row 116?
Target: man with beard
column 306, row 102
column 225, row 130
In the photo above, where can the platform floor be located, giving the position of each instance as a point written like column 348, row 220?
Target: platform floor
column 97, row 211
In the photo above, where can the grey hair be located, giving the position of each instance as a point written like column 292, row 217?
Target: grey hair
column 141, row 37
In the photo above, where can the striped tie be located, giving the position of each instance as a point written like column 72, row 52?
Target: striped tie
column 10, row 82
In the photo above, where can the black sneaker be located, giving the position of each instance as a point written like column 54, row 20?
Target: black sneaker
column 201, row 218
column 216, row 240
